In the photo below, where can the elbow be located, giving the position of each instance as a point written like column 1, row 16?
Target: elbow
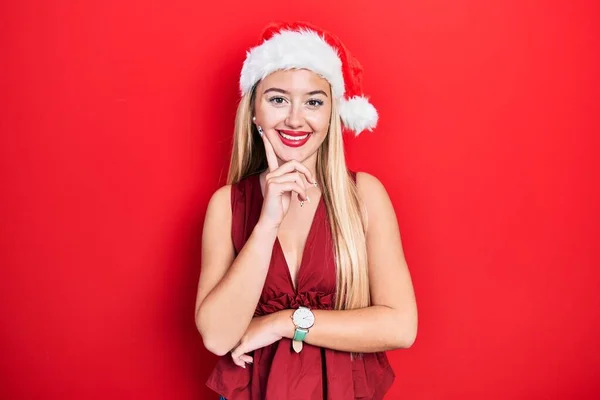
column 214, row 348
column 407, row 340
column 210, row 341
column 405, row 332
column 404, row 339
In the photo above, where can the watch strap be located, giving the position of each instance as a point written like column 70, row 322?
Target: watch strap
column 298, row 340
column 300, row 334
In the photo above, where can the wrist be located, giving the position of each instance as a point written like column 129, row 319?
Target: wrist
column 265, row 230
column 284, row 324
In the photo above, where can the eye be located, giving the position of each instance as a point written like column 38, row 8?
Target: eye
column 315, row 103
column 276, row 100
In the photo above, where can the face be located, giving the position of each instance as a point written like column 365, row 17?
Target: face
column 293, row 108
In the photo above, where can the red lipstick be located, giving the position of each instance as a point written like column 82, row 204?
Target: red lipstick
column 294, row 138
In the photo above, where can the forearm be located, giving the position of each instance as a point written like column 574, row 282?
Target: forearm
column 365, row 330
column 226, row 312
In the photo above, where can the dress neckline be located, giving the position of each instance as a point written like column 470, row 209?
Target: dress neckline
column 308, row 243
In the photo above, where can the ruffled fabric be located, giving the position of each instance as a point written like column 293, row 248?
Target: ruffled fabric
column 313, row 300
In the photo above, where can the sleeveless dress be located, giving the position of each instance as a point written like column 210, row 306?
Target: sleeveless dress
column 277, row 372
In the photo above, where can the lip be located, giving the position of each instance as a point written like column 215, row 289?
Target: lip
column 294, row 143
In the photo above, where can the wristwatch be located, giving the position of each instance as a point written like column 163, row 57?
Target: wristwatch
column 303, row 319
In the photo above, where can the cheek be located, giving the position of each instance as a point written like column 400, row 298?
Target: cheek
column 319, row 121
column 269, row 115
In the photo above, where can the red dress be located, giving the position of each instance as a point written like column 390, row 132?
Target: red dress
column 278, row 373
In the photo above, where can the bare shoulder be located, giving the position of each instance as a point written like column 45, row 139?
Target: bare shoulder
column 374, row 196
column 220, row 202
column 369, row 186
column 371, row 190
column 217, row 222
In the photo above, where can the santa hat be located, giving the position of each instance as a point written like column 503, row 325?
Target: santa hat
column 300, row 45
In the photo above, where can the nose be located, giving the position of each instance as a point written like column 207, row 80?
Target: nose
column 295, row 119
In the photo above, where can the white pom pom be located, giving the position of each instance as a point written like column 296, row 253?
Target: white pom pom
column 358, row 114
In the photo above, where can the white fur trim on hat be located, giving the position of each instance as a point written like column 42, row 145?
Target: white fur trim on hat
column 293, row 49
column 358, row 114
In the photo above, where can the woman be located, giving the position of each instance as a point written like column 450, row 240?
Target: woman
column 304, row 284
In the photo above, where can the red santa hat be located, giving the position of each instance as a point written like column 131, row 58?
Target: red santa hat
column 285, row 46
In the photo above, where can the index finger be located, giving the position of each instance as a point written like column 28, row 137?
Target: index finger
column 271, row 157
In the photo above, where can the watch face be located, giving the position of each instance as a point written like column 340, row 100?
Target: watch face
column 304, row 318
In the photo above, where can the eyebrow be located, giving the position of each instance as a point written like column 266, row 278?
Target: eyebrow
column 273, row 89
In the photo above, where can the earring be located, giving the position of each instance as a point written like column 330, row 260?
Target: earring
column 260, row 131
column 254, row 119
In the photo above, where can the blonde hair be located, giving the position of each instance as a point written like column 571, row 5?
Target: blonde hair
column 346, row 217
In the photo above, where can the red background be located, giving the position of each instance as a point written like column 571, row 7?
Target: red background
column 116, row 121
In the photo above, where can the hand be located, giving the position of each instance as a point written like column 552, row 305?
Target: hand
column 281, row 181
column 261, row 332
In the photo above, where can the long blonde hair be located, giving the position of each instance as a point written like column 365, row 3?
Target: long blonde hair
column 346, row 217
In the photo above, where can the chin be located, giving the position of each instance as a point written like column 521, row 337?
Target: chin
column 299, row 154
column 287, row 153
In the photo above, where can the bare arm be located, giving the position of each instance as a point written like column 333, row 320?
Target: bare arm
column 391, row 322
column 229, row 287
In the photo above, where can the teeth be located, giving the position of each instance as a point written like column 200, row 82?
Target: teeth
column 293, row 137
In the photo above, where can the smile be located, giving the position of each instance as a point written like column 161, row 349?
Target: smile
column 294, row 138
